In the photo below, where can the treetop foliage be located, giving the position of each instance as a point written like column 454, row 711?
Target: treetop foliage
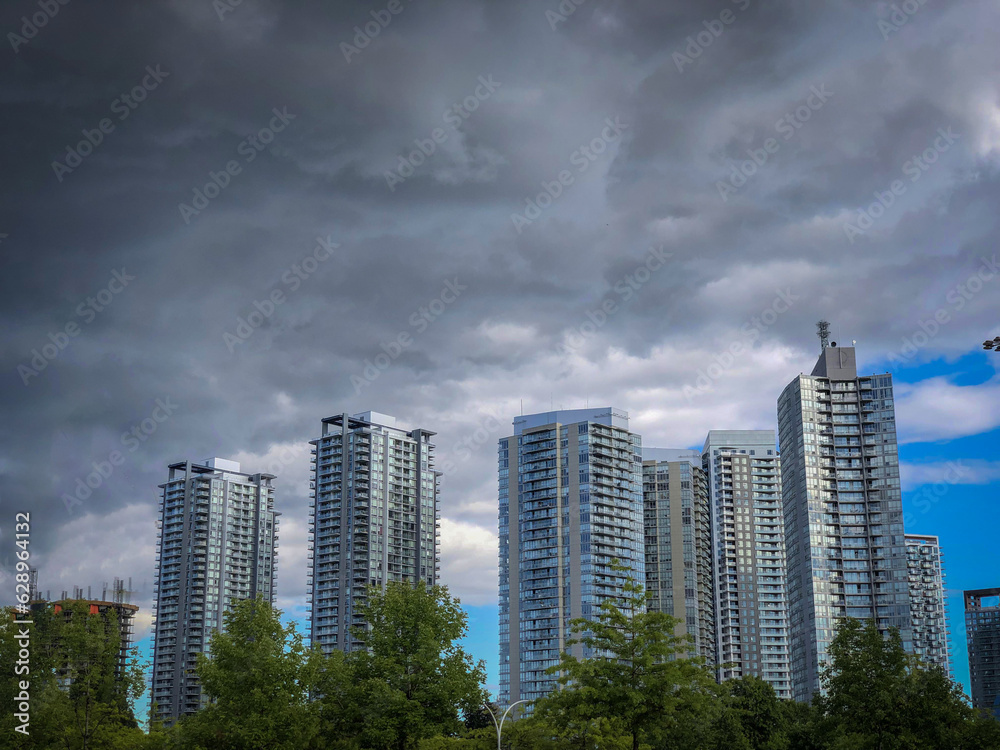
column 628, row 680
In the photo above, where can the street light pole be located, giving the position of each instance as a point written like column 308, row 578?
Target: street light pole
column 499, row 725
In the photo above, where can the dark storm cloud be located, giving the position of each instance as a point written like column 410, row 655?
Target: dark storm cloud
column 323, row 175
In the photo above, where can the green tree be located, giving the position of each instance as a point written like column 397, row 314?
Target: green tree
column 101, row 694
column 411, row 681
column 801, row 725
column 81, row 696
column 160, row 736
column 36, row 670
column 640, row 685
column 935, row 709
column 480, row 718
column 477, row 739
column 761, row 712
column 980, row 732
column 876, row 697
column 863, row 681
column 338, row 710
column 258, row 676
column 728, row 733
column 528, row 733
column 752, row 706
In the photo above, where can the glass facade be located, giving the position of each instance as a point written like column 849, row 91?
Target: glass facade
column 843, row 509
column 569, row 504
column 982, row 630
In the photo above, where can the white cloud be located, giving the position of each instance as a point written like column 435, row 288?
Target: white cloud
column 289, row 462
column 501, row 332
column 755, row 287
column 936, row 409
column 960, row 471
column 469, row 562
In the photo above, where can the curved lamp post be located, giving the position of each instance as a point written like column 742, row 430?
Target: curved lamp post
column 499, row 725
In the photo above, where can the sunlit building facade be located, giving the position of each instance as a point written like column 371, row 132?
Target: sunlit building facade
column 843, row 509
column 570, row 502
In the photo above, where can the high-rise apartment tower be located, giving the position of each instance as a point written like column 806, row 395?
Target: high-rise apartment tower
column 751, row 596
column 982, row 631
column 373, row 519
column 678, row 543
column 925, row 565
column 843, row 509
column 570, row 496
column 217, row 543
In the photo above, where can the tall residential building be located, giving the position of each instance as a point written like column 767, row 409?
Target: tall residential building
column 843, row 509
column 678, row 543
column 927, row 602
column 570, row 495
column 373, row 519
column 751, row 596
column 982, row 631
column 217, row 545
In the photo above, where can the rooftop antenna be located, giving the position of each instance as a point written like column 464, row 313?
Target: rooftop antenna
column 823, row 331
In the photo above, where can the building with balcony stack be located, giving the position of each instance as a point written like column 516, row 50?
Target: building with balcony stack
column 217, row 545
column 743, row 472
column 373, row 518
column 843, row 509
column 928, row 613
column 677, row 523
column 570, row 497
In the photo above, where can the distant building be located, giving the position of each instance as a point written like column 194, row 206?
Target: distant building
column 570, row 497
column 118, row 606
column 678, row 543
column 373, row 519
column 751, row 596
column 217, row 545
column 925, row 565
column 843, row 509
column 982, row 630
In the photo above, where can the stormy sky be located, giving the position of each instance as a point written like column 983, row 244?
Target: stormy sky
column 223, row 221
